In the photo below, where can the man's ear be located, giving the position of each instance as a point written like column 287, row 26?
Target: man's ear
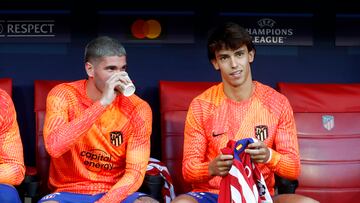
column 215, row 64
column 89, row 69
column 251, row 56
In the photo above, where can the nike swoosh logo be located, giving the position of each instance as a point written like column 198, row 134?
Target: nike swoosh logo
column 217, row 134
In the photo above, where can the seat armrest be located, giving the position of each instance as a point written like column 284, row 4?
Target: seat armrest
column 29, row 188
column 285, row 186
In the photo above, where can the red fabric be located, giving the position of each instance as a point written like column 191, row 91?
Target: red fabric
column 322, row 97
column 6, row 84
column 244, row 180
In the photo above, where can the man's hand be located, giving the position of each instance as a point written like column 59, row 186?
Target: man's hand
column 109, row 92
column 258, row 151
column 221, row 165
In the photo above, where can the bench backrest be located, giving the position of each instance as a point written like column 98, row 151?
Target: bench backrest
column 327, row 117
column 175, row 98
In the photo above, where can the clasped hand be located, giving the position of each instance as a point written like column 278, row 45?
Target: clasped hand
column 221, row 165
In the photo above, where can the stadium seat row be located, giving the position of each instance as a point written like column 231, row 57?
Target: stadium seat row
column 327, row 117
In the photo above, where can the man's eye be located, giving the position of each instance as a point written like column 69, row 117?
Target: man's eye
column 239, row 54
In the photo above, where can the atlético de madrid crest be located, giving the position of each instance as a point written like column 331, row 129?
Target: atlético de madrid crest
column 328, row 122
column 261, row 132
column 116, row 138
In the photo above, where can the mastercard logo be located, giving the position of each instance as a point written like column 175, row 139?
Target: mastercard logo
column 150, row 29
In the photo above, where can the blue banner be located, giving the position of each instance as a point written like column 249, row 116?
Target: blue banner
column 347, row 30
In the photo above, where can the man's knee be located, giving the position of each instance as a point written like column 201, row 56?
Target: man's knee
column 184, row 199
column 293, row 198
column 146, row 199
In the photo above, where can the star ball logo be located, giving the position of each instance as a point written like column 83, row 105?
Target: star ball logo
column 268, row 33
column 146, row 29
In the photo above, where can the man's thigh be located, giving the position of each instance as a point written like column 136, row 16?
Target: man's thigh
column 68, row 197
column 197, row 197
column 8, row 194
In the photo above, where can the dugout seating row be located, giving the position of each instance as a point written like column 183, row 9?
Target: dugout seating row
column 327, row 118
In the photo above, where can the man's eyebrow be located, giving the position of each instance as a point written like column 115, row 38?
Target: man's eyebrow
column 111, row 66
column 240, row 49
column 222, row 54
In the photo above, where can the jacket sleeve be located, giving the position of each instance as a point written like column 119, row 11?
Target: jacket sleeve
column 285, row 160
column 60, row 133
column 12, row 169
column 194, row 168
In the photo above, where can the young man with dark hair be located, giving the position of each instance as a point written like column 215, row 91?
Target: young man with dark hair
column 235, row 109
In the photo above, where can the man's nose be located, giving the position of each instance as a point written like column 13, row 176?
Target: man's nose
column 233, row 62
column 119, row 70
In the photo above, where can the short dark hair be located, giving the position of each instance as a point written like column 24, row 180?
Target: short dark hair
column 228, row 35
column 103, row 46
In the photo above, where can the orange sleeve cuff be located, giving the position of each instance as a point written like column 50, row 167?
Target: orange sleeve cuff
column 274, row 159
